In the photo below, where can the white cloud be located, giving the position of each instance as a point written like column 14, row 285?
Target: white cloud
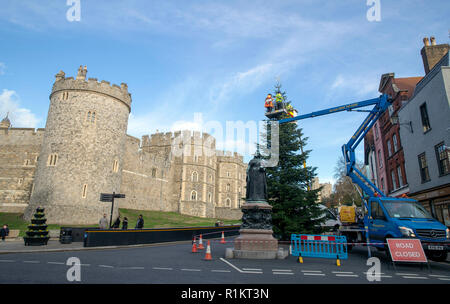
column 19, row 117
column 360, row 85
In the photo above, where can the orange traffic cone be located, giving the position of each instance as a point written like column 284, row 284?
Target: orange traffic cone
column 222, row 241
column 200, row 243
column 194, row 246
column 208, row 256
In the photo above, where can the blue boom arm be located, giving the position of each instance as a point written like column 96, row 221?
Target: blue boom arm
column 380, row 105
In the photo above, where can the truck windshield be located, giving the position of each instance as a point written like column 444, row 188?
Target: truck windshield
column 404, row 209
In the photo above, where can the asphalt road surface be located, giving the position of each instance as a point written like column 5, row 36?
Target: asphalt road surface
column 175, row 264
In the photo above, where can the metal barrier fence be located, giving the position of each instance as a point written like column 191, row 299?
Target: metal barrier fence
column 319, row 246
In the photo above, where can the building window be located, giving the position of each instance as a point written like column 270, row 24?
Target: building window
column 228, row 187
column 196, row 158
column 193, row 195
column 380, row 160
column 442, row 156
column 394, row 140
column 382, row 184
column 424, row 174
column 52, row 159
column 209, row 197
column 228, row 174
column 65, row 95
column 388, row 143
column 90, row 117
column 400, row 176
column 376, row 131
column 394, row 182
column 391, row 110
column 26, row 162
column 194, row 176
column 154, row 172
column 20, row 181
column 84, row 193
column 228, row 203
column 425, row 119
column 116, row 166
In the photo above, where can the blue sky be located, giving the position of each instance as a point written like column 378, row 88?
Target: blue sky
column 217, row 58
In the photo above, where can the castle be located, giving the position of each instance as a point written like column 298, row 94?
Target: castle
column 84, row 150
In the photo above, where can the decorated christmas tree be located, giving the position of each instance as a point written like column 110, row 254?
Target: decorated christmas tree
column 37, row 233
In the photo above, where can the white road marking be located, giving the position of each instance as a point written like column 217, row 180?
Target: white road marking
column 251, row 269
column 438, row 276
column 218, row 270
column 56, row 263
column 406, row 274
column 241, row 271
column 282, row 273
column 422, row 278
column 343, row 272
column 281, row 270
column 33, row 262
column 347, row 275
column 7, row 261
column 106, row 266
column 190, row 269
column 315, row 274
column 442, row 279
column 133, row 267
column 311, row 270
column 162, row 268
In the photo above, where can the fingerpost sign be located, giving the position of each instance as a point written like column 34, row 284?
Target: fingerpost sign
column 406, row 250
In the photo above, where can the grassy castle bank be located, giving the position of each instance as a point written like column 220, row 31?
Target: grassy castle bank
column 152, row 219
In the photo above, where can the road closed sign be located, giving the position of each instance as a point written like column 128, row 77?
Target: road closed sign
column 406, row 250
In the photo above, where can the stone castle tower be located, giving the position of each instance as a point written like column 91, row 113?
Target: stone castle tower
column 82, row 150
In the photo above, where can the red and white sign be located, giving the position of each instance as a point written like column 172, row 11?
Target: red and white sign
column 406, row 250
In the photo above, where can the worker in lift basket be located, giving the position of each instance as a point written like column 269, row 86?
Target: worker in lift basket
column 290, row 110
column 279, row 101
column 269, row 103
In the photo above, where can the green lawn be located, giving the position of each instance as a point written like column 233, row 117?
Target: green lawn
column 152, row 219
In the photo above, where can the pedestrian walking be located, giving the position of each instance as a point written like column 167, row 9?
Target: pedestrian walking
column 4, row 232
column 103, row 223
column 140, row 222
column 125, row 223
column 117, row 223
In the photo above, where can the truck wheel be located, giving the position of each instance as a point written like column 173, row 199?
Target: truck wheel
column 437, row 256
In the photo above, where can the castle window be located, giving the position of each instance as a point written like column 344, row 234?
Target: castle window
column 228, row 203
column 228, row 174
column 26, row 162
column 194, row 176
column 209, row 197
column 90, row 117
column 210, row 178
column 65, row 95
column 228, row 187
column 20, row 181
column 196, row 158
column 84, row 193
column 193, row 195
column 116, row 166
column 154, row 172
column 52, row 159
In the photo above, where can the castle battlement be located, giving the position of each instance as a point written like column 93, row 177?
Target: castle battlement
column 63, row 83
column 21, row 136
column 185, row 136
column 228, row 156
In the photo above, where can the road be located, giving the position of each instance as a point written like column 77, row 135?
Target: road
column 175, row 264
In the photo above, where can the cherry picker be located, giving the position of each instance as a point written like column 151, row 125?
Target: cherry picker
column 385, row 217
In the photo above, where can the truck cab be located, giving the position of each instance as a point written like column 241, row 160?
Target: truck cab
column 406, row 218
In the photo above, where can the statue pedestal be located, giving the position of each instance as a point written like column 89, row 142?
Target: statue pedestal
column 256, row 240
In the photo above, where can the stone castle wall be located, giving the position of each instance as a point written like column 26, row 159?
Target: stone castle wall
column 19, row 151
column 84, row 151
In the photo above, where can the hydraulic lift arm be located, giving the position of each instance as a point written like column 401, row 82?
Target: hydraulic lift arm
column 380, row 105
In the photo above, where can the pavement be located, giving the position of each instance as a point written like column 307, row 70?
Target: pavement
column 174, row 263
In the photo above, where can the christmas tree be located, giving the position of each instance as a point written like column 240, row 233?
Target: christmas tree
column 294, row 206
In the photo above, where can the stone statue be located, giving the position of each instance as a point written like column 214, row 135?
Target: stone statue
column 256, row 180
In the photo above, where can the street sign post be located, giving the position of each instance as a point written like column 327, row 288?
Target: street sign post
column 108, row 197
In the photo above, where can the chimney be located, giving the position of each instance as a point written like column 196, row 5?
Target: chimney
column 432, row 54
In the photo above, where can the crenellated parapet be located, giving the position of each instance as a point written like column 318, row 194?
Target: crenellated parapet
column 63, row 83
column 228, row 156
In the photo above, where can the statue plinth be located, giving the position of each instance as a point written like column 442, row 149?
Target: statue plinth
column 256, row 240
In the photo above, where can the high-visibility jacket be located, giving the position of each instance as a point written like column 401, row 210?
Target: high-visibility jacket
column 279, row 98
column 269, row 102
